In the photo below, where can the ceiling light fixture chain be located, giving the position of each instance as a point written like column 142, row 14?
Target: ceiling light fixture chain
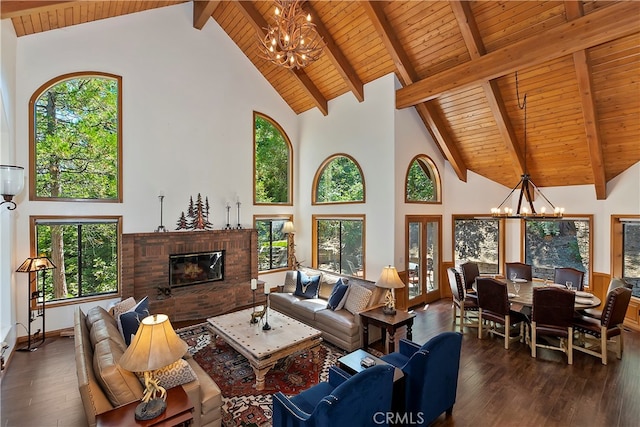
column 293, row 42
column 527, row 187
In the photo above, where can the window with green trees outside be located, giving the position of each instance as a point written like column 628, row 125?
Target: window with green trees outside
column 273, row 251
column 339, row 180
column 273, row 165
column 340, row 245
column 423, row 181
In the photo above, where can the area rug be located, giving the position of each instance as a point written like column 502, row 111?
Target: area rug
column 243, row 405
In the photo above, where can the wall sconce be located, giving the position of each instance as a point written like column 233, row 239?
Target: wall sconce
column 11, row 184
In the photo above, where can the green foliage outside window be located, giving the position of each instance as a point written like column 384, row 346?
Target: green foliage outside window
column 272, row 157
column 477, row 240
column 76, row 139
column 87, row 261
column 340, row 181
column 340, row 246
column 273, row 251
column 420, row 184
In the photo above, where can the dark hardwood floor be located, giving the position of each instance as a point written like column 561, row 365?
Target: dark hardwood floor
column 496, row 387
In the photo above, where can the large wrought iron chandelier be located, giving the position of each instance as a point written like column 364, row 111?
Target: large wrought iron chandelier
column 293, row 42
column 528, row 189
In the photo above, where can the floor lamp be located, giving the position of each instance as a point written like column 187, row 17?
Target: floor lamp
column 34, row 265
column 290, row 230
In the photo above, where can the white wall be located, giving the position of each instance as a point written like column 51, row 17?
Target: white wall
column 188, row 102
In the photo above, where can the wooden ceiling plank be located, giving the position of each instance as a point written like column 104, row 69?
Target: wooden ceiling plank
column 575, row 11
column 12, row 9
column 202, row 11
column 601, row 26
column 258, row 23
column 407, row 75
column 339, row 61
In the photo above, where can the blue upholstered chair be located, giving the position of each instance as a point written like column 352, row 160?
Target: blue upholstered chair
column 344, row 400
column 430, row 374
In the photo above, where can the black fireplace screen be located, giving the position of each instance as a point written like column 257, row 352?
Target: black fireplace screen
column 190, row 269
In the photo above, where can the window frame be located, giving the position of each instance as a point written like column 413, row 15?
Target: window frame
column 617, row 241
column 33, row 219
column 320, row 171
column 275, row 124
column 282, row 217
column 574, row 217
column 32, row 143
column 502, row 237
column 314, row 239
column 424, row 160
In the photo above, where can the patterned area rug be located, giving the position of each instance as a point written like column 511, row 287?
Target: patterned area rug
column 243, row 405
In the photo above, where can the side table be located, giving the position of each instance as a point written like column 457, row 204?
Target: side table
column 388, row 324
column 179, row 412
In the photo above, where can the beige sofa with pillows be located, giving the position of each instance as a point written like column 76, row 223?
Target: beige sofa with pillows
column 104, row 385
column 327, row 302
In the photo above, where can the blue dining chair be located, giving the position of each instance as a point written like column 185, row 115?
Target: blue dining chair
column 363, row 399
column 430, row 375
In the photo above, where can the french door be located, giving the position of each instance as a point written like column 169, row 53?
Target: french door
column 423, row 242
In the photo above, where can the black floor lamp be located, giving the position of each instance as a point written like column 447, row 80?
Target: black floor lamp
column 34, row 265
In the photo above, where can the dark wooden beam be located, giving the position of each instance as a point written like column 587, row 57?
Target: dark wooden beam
column 258, row 23
column 407, row 75
column 202, row 11
column 11, row 9
column 603, row 25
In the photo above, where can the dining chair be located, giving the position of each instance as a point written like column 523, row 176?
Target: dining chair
column 552, row 316
column 568, row 274
column 594, row 312
column 594, row 334
column 470, row 271
column 523, row 271
column 494, row 306
column 463, row 303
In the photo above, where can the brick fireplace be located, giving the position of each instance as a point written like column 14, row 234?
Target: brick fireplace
column 145, row 269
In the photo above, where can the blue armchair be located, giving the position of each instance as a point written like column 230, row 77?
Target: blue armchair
column 344, row 400
column 430, row 375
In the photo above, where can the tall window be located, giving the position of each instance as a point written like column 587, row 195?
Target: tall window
column 625, row 250
column 338, row 180
column 85, row 252
column 339, row 244
column 273, row 166
column 423, row 181
column 273, row 250
column 75, row 125
column 480, row 241
column 558, row 243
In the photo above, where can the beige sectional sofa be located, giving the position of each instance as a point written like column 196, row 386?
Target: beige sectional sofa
column 104, row 385
column 340, row 327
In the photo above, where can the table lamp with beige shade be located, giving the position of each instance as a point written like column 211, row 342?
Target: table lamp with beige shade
column 389, row 280
column 154, row 346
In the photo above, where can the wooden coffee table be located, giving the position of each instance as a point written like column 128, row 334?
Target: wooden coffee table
column 263, row 348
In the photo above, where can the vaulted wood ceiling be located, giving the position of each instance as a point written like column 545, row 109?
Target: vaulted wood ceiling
column 577, row 61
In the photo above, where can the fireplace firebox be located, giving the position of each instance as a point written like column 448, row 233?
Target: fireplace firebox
column 191, row 269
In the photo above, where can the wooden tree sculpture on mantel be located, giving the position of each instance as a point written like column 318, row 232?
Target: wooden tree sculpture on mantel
column 197, row 217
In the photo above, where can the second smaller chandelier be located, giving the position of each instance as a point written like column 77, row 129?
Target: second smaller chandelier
column 293, row 41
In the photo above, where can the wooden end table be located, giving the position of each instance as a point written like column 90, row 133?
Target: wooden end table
column 179, row 412
column 388, row 324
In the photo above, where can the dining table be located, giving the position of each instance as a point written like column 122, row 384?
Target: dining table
column 524, row 295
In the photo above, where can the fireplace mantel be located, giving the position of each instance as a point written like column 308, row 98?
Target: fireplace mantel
column 145, row 271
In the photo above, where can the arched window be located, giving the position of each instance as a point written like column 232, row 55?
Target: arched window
column 75, row 131
column 273, row 166
column 338, row 180
column 423, row 181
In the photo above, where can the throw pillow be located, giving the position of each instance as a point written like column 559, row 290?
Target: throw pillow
column 358, row 299
column 178, row 373
column 338, row 293
column 307, row 287
column 290, row 281
column 128, row 322
column 123, row 306
column 344, row 299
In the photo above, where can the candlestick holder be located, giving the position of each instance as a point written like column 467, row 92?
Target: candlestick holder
column 228, row 227
column 238, row 204
column 266, row 325
column 161, row 227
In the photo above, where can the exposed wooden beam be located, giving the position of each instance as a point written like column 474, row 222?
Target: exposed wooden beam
column 585, row 86
column 11, row 9
column 258, row 23
column 475, row 46
column 407, row 75
column 202, row 11
column 603, row 25
column 337, row 58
